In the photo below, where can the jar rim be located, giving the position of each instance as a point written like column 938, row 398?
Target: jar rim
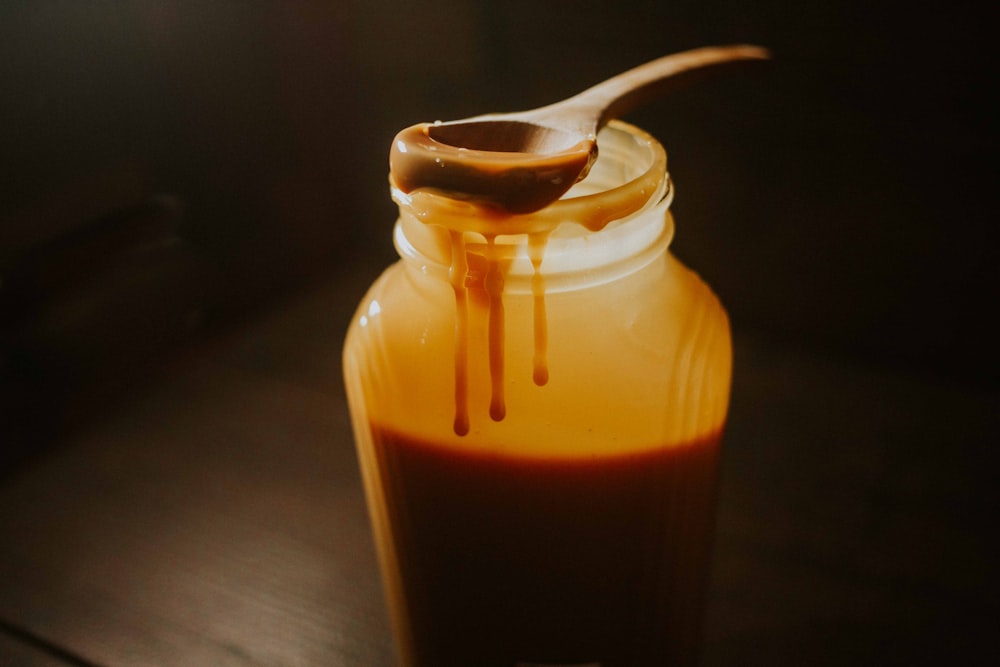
column 613, row 222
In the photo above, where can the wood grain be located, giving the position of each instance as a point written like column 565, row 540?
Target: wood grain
column 216, row 520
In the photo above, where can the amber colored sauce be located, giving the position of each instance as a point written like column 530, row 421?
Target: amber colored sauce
column 505, row 184
column 536, row 251
column 510, row 560
column 469, row 192
column 510, row 181
column 485, row 275
column 488, row 279
column 493, row 283
column 457, row 276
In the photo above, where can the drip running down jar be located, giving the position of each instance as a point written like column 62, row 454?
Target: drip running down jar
column 538, row 402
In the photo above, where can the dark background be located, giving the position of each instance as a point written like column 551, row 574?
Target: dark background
column 841, row 198
column 168, row 169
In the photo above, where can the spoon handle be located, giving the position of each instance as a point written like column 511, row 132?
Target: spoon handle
column 622, row 93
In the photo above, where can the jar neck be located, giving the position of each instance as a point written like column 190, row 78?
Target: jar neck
column 612, row 223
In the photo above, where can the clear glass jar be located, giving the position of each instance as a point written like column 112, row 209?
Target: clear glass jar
column 538, row 402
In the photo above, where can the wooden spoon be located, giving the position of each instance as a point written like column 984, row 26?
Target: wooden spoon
column 521, row 162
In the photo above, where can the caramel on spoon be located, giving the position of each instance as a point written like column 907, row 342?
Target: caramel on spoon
column 521, row 162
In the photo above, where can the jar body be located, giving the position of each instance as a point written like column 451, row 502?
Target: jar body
column 574, row 526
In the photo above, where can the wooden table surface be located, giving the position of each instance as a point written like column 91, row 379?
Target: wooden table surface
column 215, row 516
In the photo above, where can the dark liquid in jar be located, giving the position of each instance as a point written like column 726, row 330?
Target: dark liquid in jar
column 514, row 560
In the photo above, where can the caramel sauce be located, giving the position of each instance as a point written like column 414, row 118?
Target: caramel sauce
column 526, row 560
column 536, row 251
column 457, row 274
column 493, row 282
column 511, row 181
column 483, row 209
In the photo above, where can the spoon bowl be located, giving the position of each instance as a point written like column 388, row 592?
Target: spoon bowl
column 503, row 135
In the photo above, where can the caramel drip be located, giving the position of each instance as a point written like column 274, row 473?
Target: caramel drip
column 536, row 251
column 493, row 282
column 490, row 269
column 484, row 271
column 457, row 273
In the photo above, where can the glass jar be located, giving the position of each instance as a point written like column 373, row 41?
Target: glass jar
column 538, row 402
